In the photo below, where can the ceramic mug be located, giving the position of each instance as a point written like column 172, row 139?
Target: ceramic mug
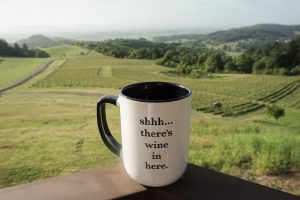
column 154, row 130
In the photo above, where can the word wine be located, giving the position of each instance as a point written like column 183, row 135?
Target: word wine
column 156, row 145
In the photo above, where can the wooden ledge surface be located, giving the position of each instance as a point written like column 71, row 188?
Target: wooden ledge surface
column 112, row 182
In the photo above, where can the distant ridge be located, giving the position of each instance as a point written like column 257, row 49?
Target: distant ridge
column 259, row 32
column 39, row 41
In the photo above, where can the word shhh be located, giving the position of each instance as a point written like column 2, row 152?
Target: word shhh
column 153, row 121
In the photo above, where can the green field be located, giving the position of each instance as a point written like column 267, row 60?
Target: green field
column 232, row 90
column 64, row 51
column 49, row 135
column 96, row 67
column 12, row 69
column 48, row 126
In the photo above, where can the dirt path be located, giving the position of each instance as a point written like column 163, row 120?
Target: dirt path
column 71, row 93
column 90, row 94
column 26, row 78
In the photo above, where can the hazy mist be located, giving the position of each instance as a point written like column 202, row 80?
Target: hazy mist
column 99, row 19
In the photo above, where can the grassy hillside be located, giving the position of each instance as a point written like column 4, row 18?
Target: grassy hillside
column 47, row 137
column 12, row 69
column 64, row 51
column 88, row 71
column 96, row 70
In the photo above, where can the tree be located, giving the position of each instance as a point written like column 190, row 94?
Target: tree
column 17, row 51
column 214, row 63
column 4, row 48
column 24, row 47
column 244, row 63
column 293, row 50
column 230, row 67
column 275, row 111
column 259, row 66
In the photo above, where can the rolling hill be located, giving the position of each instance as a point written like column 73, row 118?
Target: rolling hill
column 265, row 32
column 259, row 32
column 37, row 41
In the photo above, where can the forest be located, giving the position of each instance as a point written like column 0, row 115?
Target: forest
column 273, row 58
column 17, row 51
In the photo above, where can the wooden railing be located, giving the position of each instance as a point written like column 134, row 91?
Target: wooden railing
column 112, row 182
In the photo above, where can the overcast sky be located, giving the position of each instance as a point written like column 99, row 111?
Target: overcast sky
column 149, row 13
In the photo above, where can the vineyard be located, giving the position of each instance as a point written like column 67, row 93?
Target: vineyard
column 238, row 94
column 258, row 103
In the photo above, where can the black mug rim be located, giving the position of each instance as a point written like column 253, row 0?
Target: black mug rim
column 189, row 91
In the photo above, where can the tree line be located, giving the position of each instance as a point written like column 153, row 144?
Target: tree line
column 273, row 58
column 131, row 48
column 17, row 51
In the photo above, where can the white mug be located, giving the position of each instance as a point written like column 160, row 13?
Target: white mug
column 154, row 130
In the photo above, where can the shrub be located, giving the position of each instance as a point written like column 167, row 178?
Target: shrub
column 275, row 111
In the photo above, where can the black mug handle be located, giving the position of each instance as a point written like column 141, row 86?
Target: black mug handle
column 105, row 134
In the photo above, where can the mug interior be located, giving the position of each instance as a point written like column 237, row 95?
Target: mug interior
column 155, row 92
